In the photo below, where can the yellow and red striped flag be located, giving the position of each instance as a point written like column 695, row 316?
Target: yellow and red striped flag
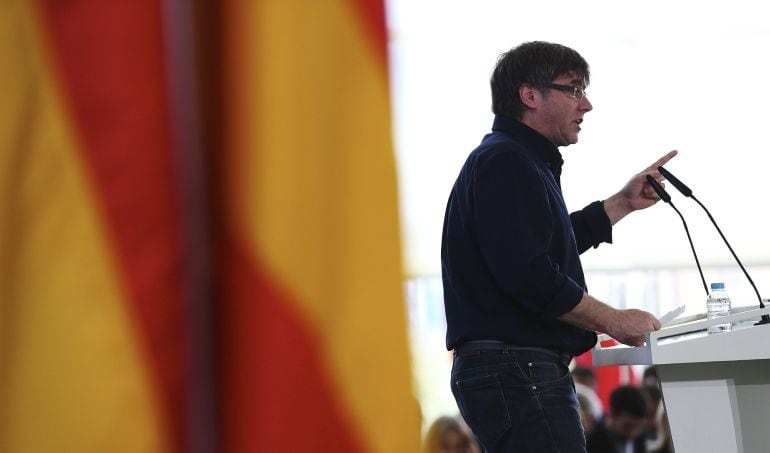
column 313, row 339
column 97, row 350
column 92, row 315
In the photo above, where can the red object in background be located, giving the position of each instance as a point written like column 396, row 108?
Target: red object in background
column 608, row 377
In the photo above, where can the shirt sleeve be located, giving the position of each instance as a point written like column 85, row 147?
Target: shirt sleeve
column 514, row 223
column 591, row 226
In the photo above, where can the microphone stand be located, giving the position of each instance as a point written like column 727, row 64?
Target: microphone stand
column 688, row 193
column 667, row 198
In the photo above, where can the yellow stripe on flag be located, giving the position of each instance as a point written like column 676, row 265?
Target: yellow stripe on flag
column 71, row 378
column 319, row 197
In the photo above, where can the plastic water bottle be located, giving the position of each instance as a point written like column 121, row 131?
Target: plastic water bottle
column 718, row 306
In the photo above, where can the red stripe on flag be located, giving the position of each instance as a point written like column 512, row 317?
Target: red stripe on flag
column 372, row 14
column 110, row 62
column 276, row 395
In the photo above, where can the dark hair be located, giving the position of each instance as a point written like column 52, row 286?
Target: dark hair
column 629, row 400
column 534, row 63
column 650, row 372
column 439, row 429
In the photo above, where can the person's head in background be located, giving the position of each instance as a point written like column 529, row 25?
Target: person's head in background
column 627, row 412
column 447, row 435
column 584, row 375
column 586, row 413
column 650, row 377
column 654, row 399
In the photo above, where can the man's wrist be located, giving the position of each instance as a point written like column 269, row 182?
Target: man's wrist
column 616, row 207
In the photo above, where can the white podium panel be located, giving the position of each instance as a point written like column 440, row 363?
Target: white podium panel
column 716, row 388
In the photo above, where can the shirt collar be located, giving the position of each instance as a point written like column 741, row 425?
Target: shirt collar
column 544, row 148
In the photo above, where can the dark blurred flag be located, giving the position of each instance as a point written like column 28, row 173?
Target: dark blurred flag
column 97, row 348
column 313, row 333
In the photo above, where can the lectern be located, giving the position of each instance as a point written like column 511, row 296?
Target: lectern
column 716, row 388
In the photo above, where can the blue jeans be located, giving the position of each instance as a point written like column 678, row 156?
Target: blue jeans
column 518, row 400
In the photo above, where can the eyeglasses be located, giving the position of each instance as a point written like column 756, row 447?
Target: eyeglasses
column 578, row 93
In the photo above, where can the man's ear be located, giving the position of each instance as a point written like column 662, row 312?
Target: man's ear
column 529, row 95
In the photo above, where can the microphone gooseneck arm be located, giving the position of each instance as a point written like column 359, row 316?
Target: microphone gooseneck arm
column 756, row 291
column 688, row 193
column 667, row 198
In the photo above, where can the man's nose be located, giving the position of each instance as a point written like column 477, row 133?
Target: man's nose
column 585, row 105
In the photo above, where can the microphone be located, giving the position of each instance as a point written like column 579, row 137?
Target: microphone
column 659, row 189
column 667, row 198
column 681, row 187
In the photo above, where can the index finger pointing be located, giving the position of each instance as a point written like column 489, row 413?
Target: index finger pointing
column 662, row 161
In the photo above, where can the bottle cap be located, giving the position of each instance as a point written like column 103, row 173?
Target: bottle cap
column 717, row 286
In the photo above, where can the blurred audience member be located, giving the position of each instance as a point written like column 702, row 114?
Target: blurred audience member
column 587, row 418
column 620, row 431
column 586, row 385
column 449, row 435
column 650, row 377
column 656, row 424
column 584, row 375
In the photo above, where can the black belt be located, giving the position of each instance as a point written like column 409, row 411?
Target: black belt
column 475, row 347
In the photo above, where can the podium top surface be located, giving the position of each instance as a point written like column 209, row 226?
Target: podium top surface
column 689, row 342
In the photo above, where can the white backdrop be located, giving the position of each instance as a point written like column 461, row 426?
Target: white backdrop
column 666, row 75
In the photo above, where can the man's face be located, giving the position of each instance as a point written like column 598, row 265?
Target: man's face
column 625, row 426
column 561, row 114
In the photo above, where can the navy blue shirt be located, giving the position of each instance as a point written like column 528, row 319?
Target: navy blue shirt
column 510, row 249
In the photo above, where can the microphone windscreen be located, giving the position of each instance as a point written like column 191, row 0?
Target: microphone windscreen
column 680, row 186
column 659, row 189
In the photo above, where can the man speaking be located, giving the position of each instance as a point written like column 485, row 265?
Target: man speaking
column 514, row 292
